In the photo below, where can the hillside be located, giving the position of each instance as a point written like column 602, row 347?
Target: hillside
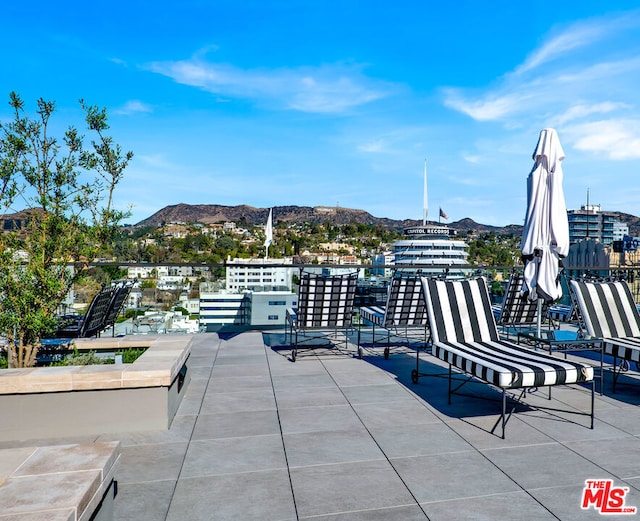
column 214, row 213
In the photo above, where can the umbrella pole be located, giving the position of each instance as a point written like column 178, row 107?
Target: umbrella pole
column 539, row 318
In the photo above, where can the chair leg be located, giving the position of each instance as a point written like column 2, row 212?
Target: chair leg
column 593, row 400
column 504, row 412
column 415, row 373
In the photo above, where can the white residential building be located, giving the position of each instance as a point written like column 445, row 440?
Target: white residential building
column 218, row 309
column 268, row 308
column 223, row 309
column 140, row 272
column 174, row 271
column 172, row 283
column 259, row 275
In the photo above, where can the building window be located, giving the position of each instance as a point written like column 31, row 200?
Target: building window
column 273, row 317
column 277, row 303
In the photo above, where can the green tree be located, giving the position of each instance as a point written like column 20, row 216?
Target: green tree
column 64, row 188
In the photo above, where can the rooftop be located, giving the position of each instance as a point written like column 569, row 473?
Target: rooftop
column 334, row 437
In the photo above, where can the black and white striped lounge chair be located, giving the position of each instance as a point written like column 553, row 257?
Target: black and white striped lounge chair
column 517, row 312
column 325, row 302
column 608, row 311
column 464, row 334
column 404, row 312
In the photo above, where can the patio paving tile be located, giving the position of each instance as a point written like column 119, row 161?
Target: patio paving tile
column 151, row 462
column 398, row 441
column 318, row 419
column 624, row 419
column 516, row 462
column 515, row 505
column 246, row 496
column 314, row 397
column 236, row 424
column 315, row 448
column 240, row 359
column 442, row 477
column 283, row 383
column 240, row 370
column 406, row 412
column 226, row 384
column 147, row 501
column 238, row 401
column 230, row 455
column 612, row 455
column 331, row 489
column 387, row 392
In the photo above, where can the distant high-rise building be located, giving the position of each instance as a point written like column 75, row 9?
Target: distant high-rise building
column 620, row 230
column 590, row 222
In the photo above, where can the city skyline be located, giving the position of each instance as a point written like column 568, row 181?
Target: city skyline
column 339, row 103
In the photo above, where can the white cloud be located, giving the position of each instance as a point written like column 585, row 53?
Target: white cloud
column 617, row 139
column 563, row 76
column 579, row 35
column 491, row 108
column 583, row 110
column 325, row 89
column 134, row 106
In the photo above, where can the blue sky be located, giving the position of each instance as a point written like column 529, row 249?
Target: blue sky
column 324, row 103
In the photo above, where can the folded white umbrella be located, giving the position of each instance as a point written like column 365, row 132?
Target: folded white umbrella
column 545, row 237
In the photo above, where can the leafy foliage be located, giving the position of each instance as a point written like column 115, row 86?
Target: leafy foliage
column 64, row 188
column 131, row 355
column 77, row 358
column 493, row 250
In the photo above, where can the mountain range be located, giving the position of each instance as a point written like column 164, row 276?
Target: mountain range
column 215, row 213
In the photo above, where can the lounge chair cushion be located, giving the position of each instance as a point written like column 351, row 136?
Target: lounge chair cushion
column 465, row 335
column 404, row 307
column 373, row 314
column 325, row 301
column 608, row 311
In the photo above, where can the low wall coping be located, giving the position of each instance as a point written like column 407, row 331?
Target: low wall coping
column 158, row 366
column 56, row 483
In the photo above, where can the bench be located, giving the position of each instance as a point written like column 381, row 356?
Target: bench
column 59, row 483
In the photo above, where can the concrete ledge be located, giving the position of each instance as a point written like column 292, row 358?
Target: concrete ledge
column 65, row 482
column 52, row 402
column 159, row 365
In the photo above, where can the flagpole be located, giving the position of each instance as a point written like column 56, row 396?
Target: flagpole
column 268, row 232
column 425, row 207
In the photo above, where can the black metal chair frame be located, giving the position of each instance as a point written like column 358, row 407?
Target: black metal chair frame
column 325, row 303
column 404, row 313
column 517, row 311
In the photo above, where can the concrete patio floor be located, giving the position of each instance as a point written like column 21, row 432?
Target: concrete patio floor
column 333, row 437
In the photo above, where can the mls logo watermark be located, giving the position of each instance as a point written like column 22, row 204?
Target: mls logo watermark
column 604, row 497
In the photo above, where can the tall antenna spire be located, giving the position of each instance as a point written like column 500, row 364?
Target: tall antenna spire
column 588, row 212
column 425, row 208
